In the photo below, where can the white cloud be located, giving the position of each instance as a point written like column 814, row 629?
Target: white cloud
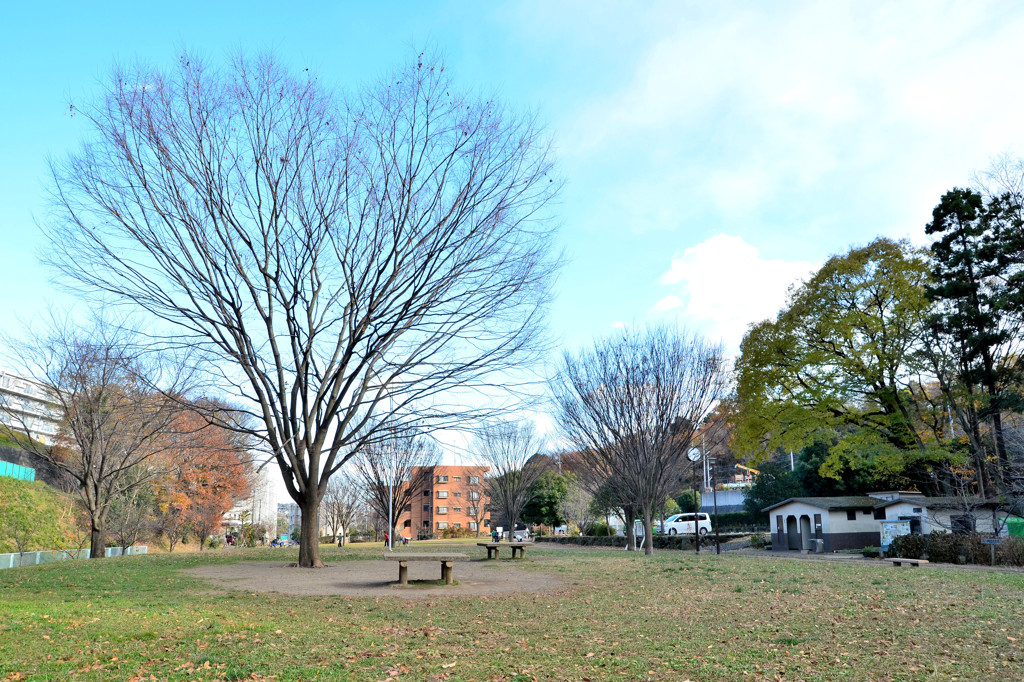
column 722, row 285
column 741, row 115
column 670, row 302
column 619, row 325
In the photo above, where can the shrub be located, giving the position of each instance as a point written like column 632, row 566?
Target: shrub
column 449, row 533
column 598, row 529
column 1011, row 551
column 760, row 540
column 908, row 547
column 944, row 547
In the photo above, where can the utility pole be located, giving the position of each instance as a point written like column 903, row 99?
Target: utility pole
column 714, row 496
column 391, row 530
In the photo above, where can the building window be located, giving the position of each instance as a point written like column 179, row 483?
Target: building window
column 880, row 514
column 407, row 508
column 963, row 524
column 457, row 494
column 917, row 510
column 442, row 479
column 426, row 507
column 458, row 478
column 474, row 480
column 474, row 495
column 426, row 493
column 487, row 523
column 442, row 494
column 472, row 525
column 426, row 524
column 457, row 510
column 442, row 510
column 441, row 525
column 407, row 524
column 851, row 515
column 473, row 511
column 457, row 525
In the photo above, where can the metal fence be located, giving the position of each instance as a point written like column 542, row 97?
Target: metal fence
column 16, row 471
column 16, row 560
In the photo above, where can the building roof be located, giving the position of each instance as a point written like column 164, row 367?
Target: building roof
column 832, row 503
column 953, row 502
column 865, row 502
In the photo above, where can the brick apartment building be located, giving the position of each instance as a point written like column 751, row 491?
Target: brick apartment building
column 447, row 497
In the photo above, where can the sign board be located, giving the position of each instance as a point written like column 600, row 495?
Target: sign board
column 891, row 530
column 991, row 541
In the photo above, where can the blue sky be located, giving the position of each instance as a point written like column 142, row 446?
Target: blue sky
column 712, row 152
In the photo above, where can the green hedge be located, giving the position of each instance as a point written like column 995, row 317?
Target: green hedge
column 741, row 522
column 660, row 541
column 950, row 548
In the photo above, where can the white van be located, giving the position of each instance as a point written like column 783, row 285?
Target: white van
column 682, row 524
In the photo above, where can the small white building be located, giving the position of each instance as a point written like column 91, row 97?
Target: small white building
column 847, row 522
column 852, row 522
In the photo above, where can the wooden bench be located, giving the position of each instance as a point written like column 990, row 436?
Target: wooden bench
column 493, row 547
column 403, row 559
column 899, row 561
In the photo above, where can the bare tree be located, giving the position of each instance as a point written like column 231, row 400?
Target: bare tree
column 131, row 517
column 631, row 405
column 338, row 263
column 341, row 504
column 476, row 489
column 575, row 507
column 115, row 411
column 393, row 469
column 509, row 449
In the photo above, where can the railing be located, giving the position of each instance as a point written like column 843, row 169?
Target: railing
column 46, row 556
column 16, row 471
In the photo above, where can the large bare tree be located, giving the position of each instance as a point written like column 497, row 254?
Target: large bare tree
column 339, row 262
column 510, row 449
column 393, row 469
column 115, row 409
column 630, row 406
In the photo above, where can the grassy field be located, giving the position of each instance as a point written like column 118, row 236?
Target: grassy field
column 619, row 615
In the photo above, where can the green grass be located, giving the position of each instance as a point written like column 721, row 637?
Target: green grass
column 618, row 615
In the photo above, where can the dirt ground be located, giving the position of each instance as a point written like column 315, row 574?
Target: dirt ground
column 377, row 578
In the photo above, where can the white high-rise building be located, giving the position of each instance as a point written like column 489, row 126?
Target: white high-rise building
column 27, row 405
column 260, row 507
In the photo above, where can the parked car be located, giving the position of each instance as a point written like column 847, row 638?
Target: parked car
column 683, row 524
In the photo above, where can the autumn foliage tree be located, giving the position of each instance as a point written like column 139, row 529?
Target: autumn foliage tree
column 209, row 474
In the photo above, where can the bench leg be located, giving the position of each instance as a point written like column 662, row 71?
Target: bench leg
column 403, row 572
column 446, row 572
column 896, row 563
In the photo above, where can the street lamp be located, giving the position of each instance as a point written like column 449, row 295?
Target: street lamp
column 694, row 456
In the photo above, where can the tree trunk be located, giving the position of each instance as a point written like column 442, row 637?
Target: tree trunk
column 630, row 529
column 1004, row 462
column 97, row 541
column 648, row 533
column 309, row 535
